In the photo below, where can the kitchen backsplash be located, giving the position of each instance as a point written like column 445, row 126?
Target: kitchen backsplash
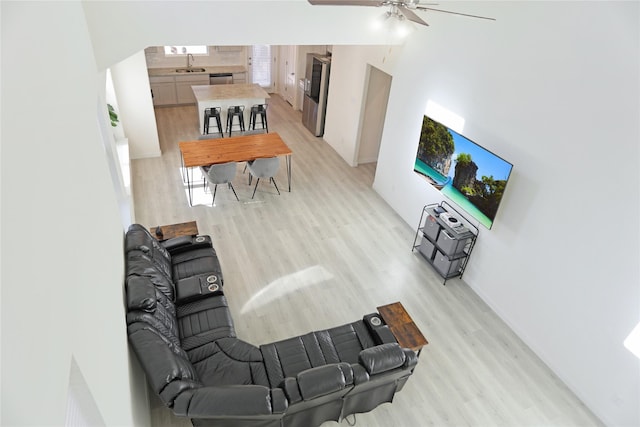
column 218, row 55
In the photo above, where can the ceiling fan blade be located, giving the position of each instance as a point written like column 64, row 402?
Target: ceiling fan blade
column 455, row 13
column 411, row 16
column 346, row 2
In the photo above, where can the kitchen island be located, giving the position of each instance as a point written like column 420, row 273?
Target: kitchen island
column 224, row 96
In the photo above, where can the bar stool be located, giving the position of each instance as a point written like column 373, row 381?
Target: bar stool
column 235, row 111
column 261, row 110
column 209, row 113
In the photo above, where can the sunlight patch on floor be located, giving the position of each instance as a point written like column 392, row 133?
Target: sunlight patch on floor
column 201, row 194
column 286, row 285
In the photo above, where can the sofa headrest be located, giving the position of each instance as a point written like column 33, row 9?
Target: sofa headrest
column 382, row 358
column 141, row 294
column 139, row 264
column 139, row 238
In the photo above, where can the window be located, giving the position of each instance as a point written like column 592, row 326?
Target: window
column 261, row 64
column 184, row 50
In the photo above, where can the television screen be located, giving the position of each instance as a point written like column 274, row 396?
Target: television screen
column 469, row 175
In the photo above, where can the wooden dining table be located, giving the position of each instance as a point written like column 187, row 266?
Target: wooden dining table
column 235, row 149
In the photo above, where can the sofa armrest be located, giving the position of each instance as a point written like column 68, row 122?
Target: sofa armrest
column 235, row 400
column 318, row 381
column 381, row 358
column 197, row 287
column 383, row 335
column 411, row 358
column 379, row 330
column 186, row 243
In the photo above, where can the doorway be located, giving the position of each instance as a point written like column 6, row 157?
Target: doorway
column 374, row 112
column 287, row 74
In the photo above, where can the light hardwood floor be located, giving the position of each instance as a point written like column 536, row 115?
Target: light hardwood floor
column 331, row 251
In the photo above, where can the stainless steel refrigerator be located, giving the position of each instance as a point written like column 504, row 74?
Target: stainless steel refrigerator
column 316, row 89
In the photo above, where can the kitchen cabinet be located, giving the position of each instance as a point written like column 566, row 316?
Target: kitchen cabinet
column 169, row 87
column 183, row 84
column 239, row 78
column 229, row 48
column 163, row 90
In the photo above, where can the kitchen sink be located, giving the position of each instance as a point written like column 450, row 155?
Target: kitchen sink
column 190, row 70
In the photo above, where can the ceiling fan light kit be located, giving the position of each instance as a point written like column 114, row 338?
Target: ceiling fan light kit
column 393, row 22
column 400, row 10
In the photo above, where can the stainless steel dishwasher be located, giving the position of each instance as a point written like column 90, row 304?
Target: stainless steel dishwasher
column 220, row 79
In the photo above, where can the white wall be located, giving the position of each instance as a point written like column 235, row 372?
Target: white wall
column 233, row 22
column 346, row 93
column 553, row 88
column 131, row 84
column 62, row 265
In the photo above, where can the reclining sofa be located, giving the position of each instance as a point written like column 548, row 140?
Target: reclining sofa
column 181, row 330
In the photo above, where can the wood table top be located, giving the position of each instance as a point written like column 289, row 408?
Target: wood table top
column 235, row 149
column 402, row 326
column 175, row 230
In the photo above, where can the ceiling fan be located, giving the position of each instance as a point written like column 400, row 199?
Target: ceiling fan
column 398, row 9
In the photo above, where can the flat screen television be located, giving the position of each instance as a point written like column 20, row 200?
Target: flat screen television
column 472, row 177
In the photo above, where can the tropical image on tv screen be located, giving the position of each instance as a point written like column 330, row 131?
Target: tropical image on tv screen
column 469, row 175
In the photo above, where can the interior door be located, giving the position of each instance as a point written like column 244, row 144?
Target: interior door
column 375, row 110
column 288, row 79
column 261, row 60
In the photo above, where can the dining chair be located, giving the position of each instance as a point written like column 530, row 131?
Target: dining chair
column 210, row 136
column 253, row 132
column 263, row 168
column 222, row 173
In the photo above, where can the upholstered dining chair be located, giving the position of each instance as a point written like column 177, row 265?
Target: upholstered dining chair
column 210, row 136
column 251, row 132
column 263, row 168
column 222, row 173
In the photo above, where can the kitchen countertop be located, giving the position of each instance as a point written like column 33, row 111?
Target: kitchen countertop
column 233, row 91
column 157, row 72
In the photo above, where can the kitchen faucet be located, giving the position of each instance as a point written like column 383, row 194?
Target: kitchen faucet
column 190, row 60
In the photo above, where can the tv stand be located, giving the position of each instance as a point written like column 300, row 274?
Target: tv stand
column 446, row 248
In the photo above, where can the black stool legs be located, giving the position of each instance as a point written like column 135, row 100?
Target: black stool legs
column 235, row 111
column 210, row 113
column 259, row 110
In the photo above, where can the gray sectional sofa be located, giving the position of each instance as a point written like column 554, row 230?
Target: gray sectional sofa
column 180, row 328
